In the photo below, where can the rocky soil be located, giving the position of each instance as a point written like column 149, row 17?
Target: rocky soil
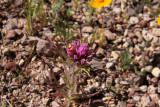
column 128, row 27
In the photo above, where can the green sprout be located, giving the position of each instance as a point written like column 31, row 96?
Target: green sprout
column 126, row 59
column 34, row 11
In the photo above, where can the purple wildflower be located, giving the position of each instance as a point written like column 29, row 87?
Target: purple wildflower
column 80, row 54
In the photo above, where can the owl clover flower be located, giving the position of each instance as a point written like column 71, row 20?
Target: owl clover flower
column 80, row 53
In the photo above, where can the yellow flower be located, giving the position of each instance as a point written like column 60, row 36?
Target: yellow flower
column 158, row 20
column 99, row 3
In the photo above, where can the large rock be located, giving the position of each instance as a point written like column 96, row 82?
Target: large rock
column 11, row 34
column 110, row 35
column 87, row 29
column 21, row 23
column 95, row 63
column 100, row 52
column 44, row 48
column 10, row 26
column 131, row 12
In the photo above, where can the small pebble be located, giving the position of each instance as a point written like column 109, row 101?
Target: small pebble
column 143, row 88
column 136, row 98
column 145, row 100
column 148, row 68
column 154, row 97
column 21, row 62
column 109, row 64
column 133, row 20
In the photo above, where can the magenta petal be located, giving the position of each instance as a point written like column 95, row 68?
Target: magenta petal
column 68, row 51
column 83, row 61
column 78, row 43
column 84, row 44
column 82, row 50
column 84, row 53
column 73, row 46
column 91, row 55
column 75, row 57
column 87, row 62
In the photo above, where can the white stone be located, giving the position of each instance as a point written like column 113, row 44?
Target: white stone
column 104, row 98
column 143, row 88
column 138, row 58
column 33, row 58
column 131, row 49
column 154, row 97
column 152, row 89
column 109, row 64
column 133, row 20
column 61, row 81
column 153, row 24
column 87, row 29
column 156, row 72
column 126, row 44
column 5, row 50
column 118, row 40
column 137, row 47
column 115, row 54
column 21, row 62
column 117, row 10
column 55, row 104
column 159, row 103
column 110, row 35
column 146, row 16
column 103, row 86
column 145, row 100
column 126, row 32
column 156, row 31
column 85, row 34
column 148, row 68
column 144, row 32
column 136, row 98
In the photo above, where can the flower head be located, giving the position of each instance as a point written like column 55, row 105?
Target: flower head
column 80, row 54
column 99, row 3
column 158, row 20
column 82, row 50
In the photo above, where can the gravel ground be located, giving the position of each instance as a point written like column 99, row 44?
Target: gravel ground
column 127, row 31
